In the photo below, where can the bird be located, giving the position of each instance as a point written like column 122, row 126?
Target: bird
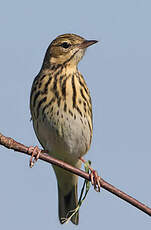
column 61, row 111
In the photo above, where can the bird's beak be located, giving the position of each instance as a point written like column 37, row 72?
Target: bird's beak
column 87, row 43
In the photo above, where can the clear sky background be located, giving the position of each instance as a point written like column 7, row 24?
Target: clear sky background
column 118, row 73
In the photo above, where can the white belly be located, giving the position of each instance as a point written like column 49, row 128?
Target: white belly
column 67, row 138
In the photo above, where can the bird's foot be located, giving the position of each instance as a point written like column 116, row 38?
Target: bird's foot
column 35, row 152
column 95, row 178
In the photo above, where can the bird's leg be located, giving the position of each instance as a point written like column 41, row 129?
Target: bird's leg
column 35, row 152
column 95, row 179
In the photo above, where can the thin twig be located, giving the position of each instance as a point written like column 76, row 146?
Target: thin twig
column 12, row 144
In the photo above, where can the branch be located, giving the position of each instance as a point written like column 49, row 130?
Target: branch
column 16, row 146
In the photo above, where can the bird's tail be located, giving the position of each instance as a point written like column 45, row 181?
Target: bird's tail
column 67, row 204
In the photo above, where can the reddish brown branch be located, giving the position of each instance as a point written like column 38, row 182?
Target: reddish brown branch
column 12, row 144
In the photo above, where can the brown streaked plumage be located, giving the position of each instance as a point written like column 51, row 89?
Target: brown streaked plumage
column 61, row 111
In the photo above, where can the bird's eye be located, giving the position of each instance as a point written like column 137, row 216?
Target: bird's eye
column 65, row 45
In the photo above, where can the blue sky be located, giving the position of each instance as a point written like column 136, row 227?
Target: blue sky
column 118, row 73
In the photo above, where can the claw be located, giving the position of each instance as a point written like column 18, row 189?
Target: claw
column 34, row 156
column 95, row 179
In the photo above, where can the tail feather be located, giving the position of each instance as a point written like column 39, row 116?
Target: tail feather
column 67, row 204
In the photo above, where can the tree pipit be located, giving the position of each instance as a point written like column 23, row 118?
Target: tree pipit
column 61, row 112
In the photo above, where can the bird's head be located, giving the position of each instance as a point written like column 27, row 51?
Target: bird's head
column 67, row 48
